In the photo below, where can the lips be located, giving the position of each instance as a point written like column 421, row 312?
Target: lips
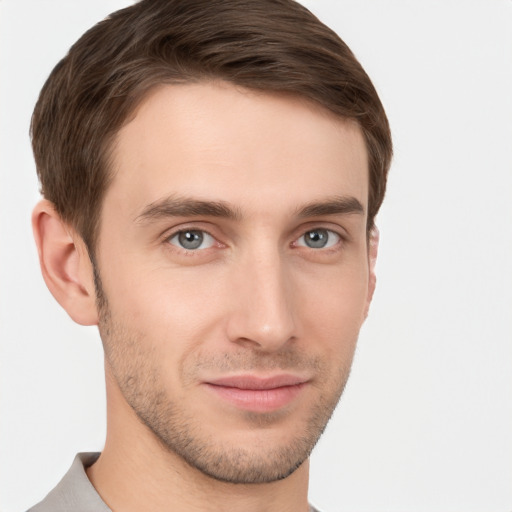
column 258, row 394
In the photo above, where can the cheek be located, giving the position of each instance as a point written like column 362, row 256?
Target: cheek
column 187, row 307
column 165, row 305
column 336, row 303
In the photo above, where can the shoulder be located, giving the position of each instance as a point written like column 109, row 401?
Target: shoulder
column 74, row 491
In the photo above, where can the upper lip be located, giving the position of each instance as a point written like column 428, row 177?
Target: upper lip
column 257, row 382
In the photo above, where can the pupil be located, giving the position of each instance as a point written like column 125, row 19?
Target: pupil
column 317, row 239
column 191, row 239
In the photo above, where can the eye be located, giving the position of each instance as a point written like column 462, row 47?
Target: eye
column 319, row 239
column 192, row 239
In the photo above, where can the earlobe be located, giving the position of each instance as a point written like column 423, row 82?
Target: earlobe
column 65, row 264
column 373, row 247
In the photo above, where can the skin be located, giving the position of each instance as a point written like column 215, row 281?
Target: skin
column 254, row 300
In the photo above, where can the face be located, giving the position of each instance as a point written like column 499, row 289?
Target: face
column 234, row 269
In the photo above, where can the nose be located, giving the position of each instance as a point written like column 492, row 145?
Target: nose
column 263, row 312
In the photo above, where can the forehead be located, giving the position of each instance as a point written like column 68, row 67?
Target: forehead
column 253, row 149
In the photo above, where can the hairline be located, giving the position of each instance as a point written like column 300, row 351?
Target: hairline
column 143, row 94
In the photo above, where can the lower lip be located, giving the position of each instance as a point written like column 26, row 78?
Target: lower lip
column 258, row 400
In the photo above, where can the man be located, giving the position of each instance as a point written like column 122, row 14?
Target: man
column 211, row 172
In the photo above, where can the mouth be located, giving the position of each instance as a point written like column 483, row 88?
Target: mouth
column 258, row 394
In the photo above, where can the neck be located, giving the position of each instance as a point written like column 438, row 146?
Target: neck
column 136, row 472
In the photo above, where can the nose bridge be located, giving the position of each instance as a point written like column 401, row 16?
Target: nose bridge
column 263, row 312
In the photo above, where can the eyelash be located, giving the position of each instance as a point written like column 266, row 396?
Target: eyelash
column 330, row 233
column 339, row 239
column 204, row 234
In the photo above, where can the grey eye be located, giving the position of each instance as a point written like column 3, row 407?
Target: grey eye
column 192, row 239
column 318, row 239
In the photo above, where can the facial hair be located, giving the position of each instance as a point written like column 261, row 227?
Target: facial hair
column 140, row 378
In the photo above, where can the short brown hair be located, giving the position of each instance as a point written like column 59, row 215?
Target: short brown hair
column 269, row 45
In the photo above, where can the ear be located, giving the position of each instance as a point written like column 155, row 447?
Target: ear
column 373, row 248
column 65, row 264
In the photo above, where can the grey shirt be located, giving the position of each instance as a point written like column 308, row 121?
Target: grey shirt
column 75, row 493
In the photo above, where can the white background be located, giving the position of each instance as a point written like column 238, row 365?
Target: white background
column 426, row 420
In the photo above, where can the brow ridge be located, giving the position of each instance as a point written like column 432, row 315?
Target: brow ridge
column 337, row 205
column 175, row 206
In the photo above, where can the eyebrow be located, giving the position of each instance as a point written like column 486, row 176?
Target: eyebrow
column 337, row 205
column 174, row 206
